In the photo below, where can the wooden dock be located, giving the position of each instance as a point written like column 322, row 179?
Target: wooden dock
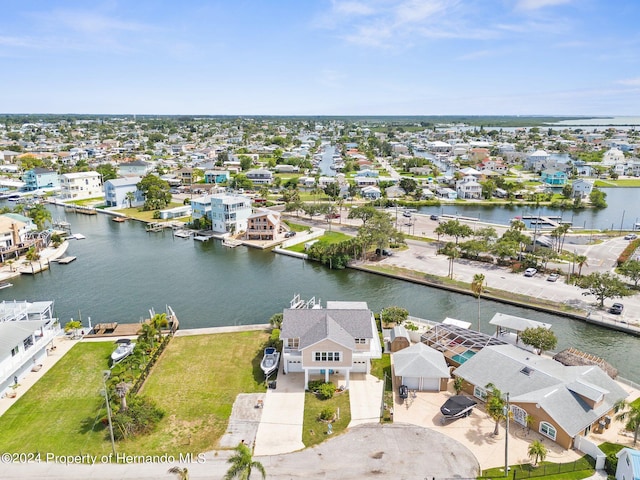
column 65, row 260
column 80, row 209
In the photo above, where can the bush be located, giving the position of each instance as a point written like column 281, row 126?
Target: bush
column 314, row 385
column 611, row 464
column 141, row 416
column 326, row 391
column 274, row 339
column 327, row 413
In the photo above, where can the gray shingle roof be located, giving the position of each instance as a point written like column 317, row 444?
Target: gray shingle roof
column 314, row 325
column 542, row 381
column 420, row 361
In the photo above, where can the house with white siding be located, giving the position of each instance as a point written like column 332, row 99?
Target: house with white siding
column 80, row 185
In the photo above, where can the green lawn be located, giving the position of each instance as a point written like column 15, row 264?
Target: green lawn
column 625, row 182
column 581, row 468
column 195, row 381
column 380, row 367
column 315, row 431
column 61, row 412
column 147, row 216
column 328, row 238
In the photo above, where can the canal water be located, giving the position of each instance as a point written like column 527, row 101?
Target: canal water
column 122, row 271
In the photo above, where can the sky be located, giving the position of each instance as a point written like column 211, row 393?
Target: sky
column 321, row 57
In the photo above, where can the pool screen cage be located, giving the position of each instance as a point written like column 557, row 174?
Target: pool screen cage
column 453, row 341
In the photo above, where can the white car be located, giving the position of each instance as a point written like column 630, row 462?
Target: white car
column 530, row 272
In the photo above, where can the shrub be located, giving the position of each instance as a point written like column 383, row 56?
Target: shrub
column 141, row 416
column 611, row 464
column 315, row 385
column 326, row 391
column 327, row 413
column 274, row 339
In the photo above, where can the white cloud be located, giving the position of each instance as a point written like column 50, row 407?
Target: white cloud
column 630, row 82
column 92, row 22
column 538, row 4
column 353, row 8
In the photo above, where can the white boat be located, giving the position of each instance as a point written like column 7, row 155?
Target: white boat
column 5, row 285
column 78, row 236
column 125, row 347
column 270, row 360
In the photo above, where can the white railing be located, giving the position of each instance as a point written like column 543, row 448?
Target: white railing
column 12, row 364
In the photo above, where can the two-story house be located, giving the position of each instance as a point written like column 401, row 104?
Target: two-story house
column 469, row 188
column 216, row 176
column 338, row 340
column 264, row 224
column 260, row 176
column 228, row 213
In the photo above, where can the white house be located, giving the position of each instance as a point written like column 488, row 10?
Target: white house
column 116, row 190
column 537, row 161
column 26, row 330
column 228, row 213
column 613, row 156
column 446, row 193
column 338, row 340
column 80, row 185
column 628, row 464
column 469, row 188
column 581, row 187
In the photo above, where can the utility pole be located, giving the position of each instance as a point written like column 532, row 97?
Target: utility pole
column 106, row 374
column 506, row 438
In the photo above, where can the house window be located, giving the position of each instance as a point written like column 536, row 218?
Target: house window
column 327, row 356
column 480, row 393
column 28, row 342
column 361, row 341
column 293, row 343
column 548, row 430
column 14, row 351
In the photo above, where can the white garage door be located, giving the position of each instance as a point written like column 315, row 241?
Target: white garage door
column 294, row 366
column 412, row 382
column 430, row 384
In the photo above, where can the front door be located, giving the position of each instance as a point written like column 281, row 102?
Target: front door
column 519, row 415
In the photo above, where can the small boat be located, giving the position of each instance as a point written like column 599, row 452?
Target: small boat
column 457, row 406
column 119, row 219
column 5, row 285
column 124, row 349
column 77, row 236
column 269, row 363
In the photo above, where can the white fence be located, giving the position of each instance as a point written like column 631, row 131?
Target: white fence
column 591, row 449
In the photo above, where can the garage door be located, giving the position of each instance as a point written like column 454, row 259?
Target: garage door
column 294, row 366
column 412, row 382
column 430, row 384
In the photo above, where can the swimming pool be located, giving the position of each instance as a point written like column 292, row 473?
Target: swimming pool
column 463, row 357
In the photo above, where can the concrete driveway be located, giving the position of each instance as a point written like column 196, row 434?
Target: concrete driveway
column 365, row 398
column 280, row 429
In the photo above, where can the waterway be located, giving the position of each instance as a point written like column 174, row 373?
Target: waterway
column 122, row 271
column 622, row 212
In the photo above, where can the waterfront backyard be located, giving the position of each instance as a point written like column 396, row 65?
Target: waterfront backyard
column 195, row 382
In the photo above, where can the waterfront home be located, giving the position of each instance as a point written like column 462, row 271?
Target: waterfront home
column 37, row 178
column 395, row 191
column 370, row 192
column 561, row 402
column 264, row 224
column 628, row 464
column 421, row 368
column 175, row 212
column 329, row 342
column 80, row 185
column 468, row 188
column 446, row 193
column 26, row 331
column 537, row 161
column 14, row 230
column 613, row 156
column 116, row 190
column 228, row 213
column 553, row 177
column 581, row 188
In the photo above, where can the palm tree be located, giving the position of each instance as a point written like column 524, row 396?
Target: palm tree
column 31, row 256
column 148, row 333
column 242, row 464
column 537, row 451
column 477, row 287
column 581, row 261
column 452, row 252
column 159, row 321
column 130, row 197
column 181, row 473
column 495, row 405
column 630, row 413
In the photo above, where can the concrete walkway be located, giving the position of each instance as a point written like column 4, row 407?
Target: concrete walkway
column 280, row 429
column 365, row 398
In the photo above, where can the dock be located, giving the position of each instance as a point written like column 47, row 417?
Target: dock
column 231, row 242
column 80, row 209
column 65, row 260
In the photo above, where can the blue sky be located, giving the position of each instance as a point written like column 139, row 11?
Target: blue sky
column 321, row 57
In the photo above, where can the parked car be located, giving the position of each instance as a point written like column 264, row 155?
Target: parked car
column 631, row 236
column 434, row 217
column 383, row 253
column 289, row 234
column 530, row 272
column 616, row 308
column 553, row 277
column 404, row 391
column 333, row 215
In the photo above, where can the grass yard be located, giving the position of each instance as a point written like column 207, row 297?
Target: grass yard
column 380, row 368
column 315, row 431
column 581, row 468
column 195, row 381
column 328, row 238
column 147, row 216
column 61, row 412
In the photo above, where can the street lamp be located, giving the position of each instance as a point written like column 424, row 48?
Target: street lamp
column 106, row 374
column 505, row 410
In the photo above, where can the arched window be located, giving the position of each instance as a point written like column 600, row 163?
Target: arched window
column 548, row 430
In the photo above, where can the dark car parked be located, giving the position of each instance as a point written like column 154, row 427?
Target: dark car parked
column 616, row 308
column 383, row 253
column 404, row 391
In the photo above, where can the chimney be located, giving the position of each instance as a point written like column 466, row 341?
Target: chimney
column 14, row 234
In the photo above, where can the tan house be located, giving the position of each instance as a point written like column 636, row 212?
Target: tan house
column 263, row 224
column 332, row 342
column 562, row 402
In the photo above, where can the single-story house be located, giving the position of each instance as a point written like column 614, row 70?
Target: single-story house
column 562, row 402
column 421, row 368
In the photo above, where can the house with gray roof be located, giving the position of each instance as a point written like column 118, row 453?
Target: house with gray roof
column 338, row 340
column 563, row 402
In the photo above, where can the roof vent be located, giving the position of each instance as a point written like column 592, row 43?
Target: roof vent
column 527, row 371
